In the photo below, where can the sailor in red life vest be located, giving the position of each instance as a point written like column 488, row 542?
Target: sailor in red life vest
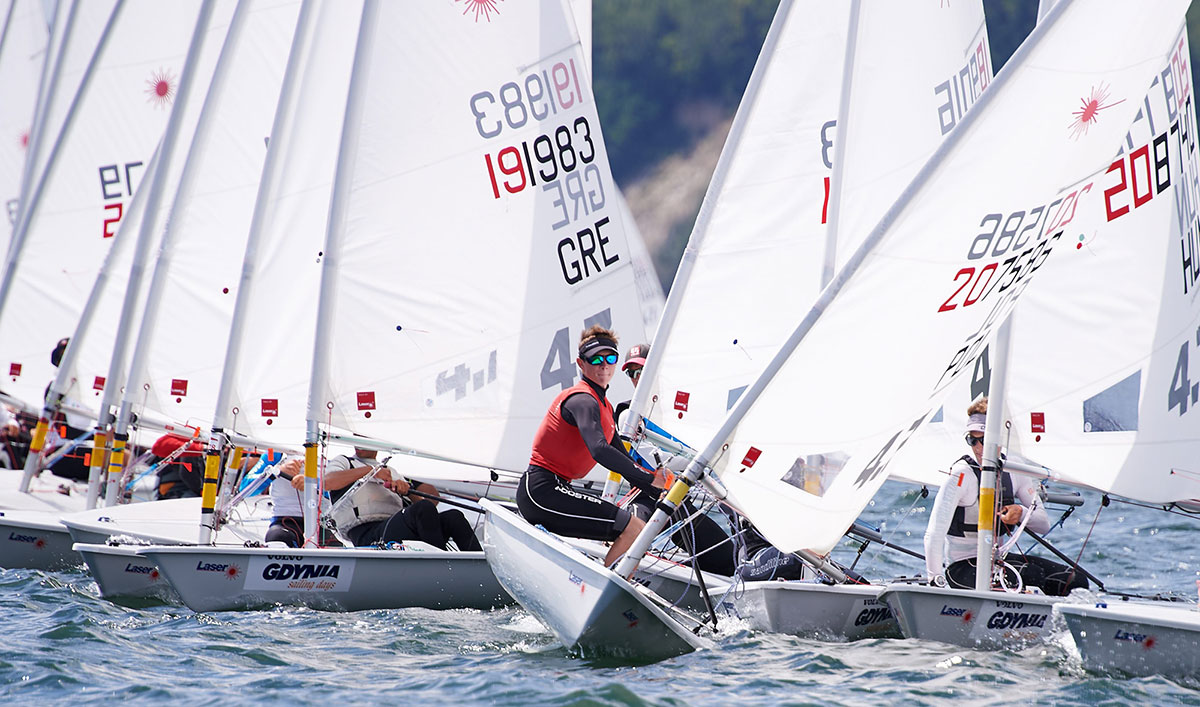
column 577, row 433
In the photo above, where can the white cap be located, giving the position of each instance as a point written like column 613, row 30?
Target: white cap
column 975, row 423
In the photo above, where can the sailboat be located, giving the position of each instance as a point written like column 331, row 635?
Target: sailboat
column 930, row 233
column 79, row 125
column 880, row 143
column 1094, row 410
column 443, row 331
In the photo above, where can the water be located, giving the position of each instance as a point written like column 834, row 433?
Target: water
column 62, row 643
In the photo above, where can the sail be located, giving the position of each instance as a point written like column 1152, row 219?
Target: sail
column 269, row 363
column 176, row 364
column 763, row 239
column 93, row 373
column 474, row 234
column 649, row 287
column 917, row 302
column 1104, row 381
column 23, row 38
column 109, row 129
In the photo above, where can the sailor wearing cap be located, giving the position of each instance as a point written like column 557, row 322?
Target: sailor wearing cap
column 953, row 530
column 578, row 432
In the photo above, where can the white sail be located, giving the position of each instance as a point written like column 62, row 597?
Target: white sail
column 649, row 288
column 93, row 373
column 176, row 364
column 1104, row 385
column 764, row 236
column 268, row 364
column 23, row 38
column 109, row 130
column 941, row 270
column 476, row 236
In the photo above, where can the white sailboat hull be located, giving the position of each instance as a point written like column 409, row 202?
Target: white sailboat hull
column 334, row 579
column 838, row 612
column 970, row 618
column 674, row 582
column 170, row 522
column 1136, row 638
column 121, row 573
column 35, row 540
column 590, row 609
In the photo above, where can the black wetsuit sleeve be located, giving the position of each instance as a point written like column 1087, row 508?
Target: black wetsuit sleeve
column 582, row 411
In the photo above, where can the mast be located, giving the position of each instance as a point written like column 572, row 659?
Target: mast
column 839, row 150
column 272, row 170
column 329, row 271
column 116, row 464
column 697, row 467
column 678, row 287
column 47, row 84
column 997, row 388
column 985, row 541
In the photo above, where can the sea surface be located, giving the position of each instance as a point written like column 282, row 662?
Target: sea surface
column 60, row 643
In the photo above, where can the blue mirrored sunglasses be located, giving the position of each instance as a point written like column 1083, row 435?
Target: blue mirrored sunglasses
column 607, row 358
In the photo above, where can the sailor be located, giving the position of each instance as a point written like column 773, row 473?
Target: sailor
column 760, row 561
column 287, row 499
column 183, row 476
column 384, row 508
column 578, row 432
column 955, row 513
column 67, row 426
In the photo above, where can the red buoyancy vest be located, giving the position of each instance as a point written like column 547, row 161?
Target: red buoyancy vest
column 559, row 447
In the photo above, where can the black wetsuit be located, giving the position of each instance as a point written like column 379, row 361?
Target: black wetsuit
column 548, row 499
column 420, row 520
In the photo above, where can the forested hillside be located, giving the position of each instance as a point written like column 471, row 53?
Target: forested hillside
column 668, row 78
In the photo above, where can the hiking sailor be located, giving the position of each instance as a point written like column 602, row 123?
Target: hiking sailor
column 953, row 522
column 381, row 509
column 577, row 433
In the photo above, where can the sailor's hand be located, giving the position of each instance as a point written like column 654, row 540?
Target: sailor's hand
column 298, row 482
column 1011, row 515
column 662, row 478
column 400, row 486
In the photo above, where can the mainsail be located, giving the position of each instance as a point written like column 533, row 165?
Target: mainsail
column 268, row 367
column 473, row 234
column 827, row 135
column 1102, row 382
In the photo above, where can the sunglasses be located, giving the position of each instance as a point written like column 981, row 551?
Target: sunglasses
column 634, row 373
column 607, row 358
column 973, row 440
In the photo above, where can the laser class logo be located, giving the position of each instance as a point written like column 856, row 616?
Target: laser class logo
column 160, row 88
column 480, row 7
column 1089, row 110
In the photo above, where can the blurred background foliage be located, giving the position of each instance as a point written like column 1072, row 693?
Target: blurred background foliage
column 668, row 71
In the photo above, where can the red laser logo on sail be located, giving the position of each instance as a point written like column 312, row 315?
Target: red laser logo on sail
column 481, row 7
column 160, row 88
column 1089, row 110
